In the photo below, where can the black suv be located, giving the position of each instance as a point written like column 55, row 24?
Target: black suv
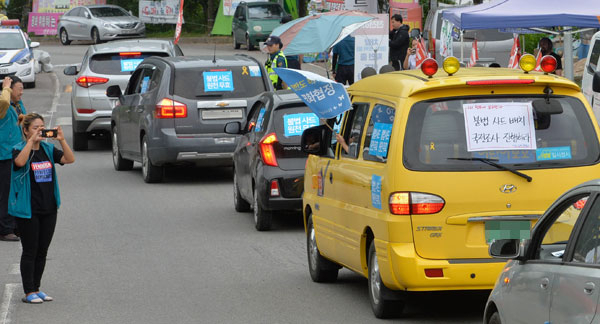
column 268, row 161
column 175, row 108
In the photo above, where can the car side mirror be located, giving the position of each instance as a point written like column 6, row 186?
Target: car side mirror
column 34, row 44
column 114, row 91
column 596, row 82
column 87, row 15
column 505, row 248
column 314, row 140
column 70, row 70
column 286, row 18
column 233, row 128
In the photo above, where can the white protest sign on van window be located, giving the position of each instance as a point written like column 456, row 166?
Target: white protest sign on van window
column 499, row 126
column 446, row 39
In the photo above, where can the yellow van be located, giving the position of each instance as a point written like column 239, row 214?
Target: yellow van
column 434, row 165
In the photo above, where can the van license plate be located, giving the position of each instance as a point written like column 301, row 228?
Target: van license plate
column 502, row 230
column 222, row 114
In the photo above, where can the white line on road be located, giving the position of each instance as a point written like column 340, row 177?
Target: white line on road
column 9, row 291
column 55, row 98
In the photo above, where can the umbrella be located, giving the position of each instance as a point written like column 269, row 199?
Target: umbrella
column 319, row 32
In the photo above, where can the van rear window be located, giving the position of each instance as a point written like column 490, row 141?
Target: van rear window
column 219, row 82
column 444, row 135
column 120, row 63
column 290, row 122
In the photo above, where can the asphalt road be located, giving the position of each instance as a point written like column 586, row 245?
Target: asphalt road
column 177, row 252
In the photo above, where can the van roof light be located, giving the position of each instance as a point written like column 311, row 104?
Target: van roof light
column 451, row 65
column 548, row 63
column 429, row 67
column 527, row 63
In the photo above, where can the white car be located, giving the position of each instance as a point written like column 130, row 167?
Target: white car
column 591, row 67
column 16, row 56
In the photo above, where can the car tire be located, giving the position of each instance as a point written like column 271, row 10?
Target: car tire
column 495, row 319
column 119, row 162
column 80, row 140
column 321, row 269
column 29, row 85
column 249, row 45
column 262, row 218
column 64, row 37
column 236, row 45
column 96, row 36
column 150, row 172
column 240, row 204
column 382, row 306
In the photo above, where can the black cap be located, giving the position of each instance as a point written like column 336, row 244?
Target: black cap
column 273, row 40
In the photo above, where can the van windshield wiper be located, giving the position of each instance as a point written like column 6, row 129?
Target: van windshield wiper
column 493, row 163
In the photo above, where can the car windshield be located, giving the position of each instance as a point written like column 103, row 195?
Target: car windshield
column 11, row 41
column 514, row 132
column 108, row 12
column 119, row 63
column 265, row 12
column 221, row 82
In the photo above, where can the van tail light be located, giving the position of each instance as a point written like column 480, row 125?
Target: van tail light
column 434, row 273
column 415, row 203
column 88, row 81
column 274, row 188
column 267, row 150
column 168, row 108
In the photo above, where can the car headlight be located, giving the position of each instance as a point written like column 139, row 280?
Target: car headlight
column 25, row 59
column 108, row 25
column 257, row 28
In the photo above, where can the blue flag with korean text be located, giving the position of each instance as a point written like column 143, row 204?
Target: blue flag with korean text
column 326, row 98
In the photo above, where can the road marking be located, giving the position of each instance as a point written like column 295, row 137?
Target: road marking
column 9, row 291
column 64, row 121
column 55, row 98
column 14, row 269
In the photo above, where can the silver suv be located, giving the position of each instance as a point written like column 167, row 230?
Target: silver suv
column 105, row 65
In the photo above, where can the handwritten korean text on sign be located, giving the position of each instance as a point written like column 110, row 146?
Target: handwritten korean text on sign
column 499, row 126
column 295, row 124
column 218, row 81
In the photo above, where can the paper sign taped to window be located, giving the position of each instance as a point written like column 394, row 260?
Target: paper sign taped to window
column 218, row 81
column 499, row 126
column 295, row 124
column 129, row 65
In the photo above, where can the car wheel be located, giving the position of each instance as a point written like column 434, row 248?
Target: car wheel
column 150, row 172
column 321, row 269
column 236, row 45
column 262, row 218
column 64, row 37
column 240, row 204
column 80, row 140
column 495, row 319
column 249, row 45
column 96, row 36
column 119, row 162
column 382, row 306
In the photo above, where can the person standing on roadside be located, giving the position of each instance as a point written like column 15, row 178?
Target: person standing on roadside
column 276, row 60
column 343, row 61
column 398, row 41
column 35, row 198
column 11, row 107
column 410, row 61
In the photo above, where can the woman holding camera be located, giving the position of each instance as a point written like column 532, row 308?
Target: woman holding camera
column 410, row 60
column 35, row 197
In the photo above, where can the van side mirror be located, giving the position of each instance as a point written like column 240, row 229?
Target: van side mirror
column 505, row 249
column 70, row 70
column 314, row 140
column 596, row 82
column 114, row 92
column 233, row 128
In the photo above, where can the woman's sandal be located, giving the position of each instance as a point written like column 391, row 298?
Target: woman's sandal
column 44, row 297
column 32, row 299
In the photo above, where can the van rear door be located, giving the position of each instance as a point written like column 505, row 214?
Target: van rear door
column 468, row 152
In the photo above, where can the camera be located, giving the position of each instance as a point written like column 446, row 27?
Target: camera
column 49, row 132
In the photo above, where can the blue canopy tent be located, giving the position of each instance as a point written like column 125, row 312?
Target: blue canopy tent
column 533, row 14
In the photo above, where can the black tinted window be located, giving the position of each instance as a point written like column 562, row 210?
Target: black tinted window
column 290, row 122
column 266, row 11
column 108, row 12
column 438, row 132
column 117, row 64
column 223, row 82
column 595, row 55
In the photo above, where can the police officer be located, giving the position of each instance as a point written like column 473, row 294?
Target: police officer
column 276, row 59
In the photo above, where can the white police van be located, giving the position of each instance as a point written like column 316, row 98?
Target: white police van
column 16, row 56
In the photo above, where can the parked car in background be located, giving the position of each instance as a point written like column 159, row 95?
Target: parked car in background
column 591, row 67
column 16, row 56
column 174, row 111
column 253, row 22
column 553, row 277
column 105, row 65
column 268, row 163
column 98, row 23
column 493, row 45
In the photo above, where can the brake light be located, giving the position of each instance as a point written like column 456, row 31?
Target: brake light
column 415, row 203
column 499, row 82
column 548, row 63
column 434, row 273
column 85, row 111
column 88, row 81
column 267, row 150
column 167, row 108
column 274, row 188
column 130, row 53
column 429, row 67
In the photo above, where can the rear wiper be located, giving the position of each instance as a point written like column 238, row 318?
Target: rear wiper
column 493, row 163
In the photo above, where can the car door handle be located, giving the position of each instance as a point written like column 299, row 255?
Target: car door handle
column 330, row 177
column 589, row 288
column 544, row 284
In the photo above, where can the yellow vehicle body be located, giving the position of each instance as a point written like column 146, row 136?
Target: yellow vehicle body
column 338, row 193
